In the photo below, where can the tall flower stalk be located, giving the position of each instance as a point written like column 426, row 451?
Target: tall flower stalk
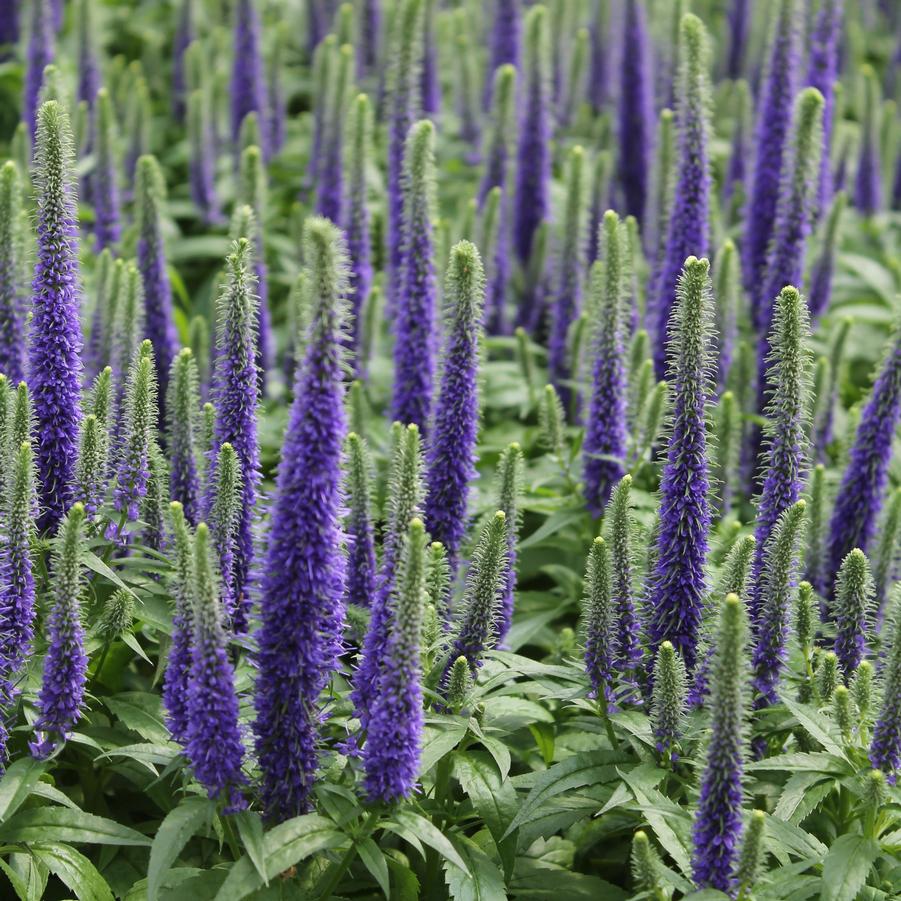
column 687, row 232
column 54, row 364
column 415, row 298
column 301, row 611
column 248, row 85
column 678, row 578
column 451, row 453
column 12, row 288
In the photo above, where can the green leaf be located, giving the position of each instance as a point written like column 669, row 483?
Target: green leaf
column 74, row 870
column 413, row 824
column 129, row 639
column 94, row 563
column 142, row 713
column 374, row 860
column 61, row 824
column 481, row 881
column 512, row 713
column 250, row 828
column 283, row 847
column 178, row 826
column 795, row 839
column 847, row 865
column 438, row 741
column 574, row 772
column 793, row 793
column 814, row 724
column 494, row 799
column 652, row 802
column 19, row 885
column 17, row 784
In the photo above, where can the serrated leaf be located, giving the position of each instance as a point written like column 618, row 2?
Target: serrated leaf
column 847, row 865
column 142, row 713
column 795, row 839
column 793, row 793
column 74, row 870
column 18, row 883
column 494, row 799
column 808, row 718
column 17, row 783
column 41, row 824
column 574, row 772
column 250, row 829
column 481, row 881
column 374, row 860
column 176, row 829
column 284, row 846
column 94, row 563
column 438, row 741
column 428, row 833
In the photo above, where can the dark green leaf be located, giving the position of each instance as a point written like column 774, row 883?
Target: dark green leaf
column 177, row 827
column 42, row 824
column 847, row 865
column 74, row 870
column 17, row 783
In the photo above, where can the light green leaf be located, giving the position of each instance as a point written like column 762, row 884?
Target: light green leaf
column 438, row 741
column 40, row 824
column 574, row 772
column 793, row 793
column 250, row 828
column 178, row 826
column 374, row 860
column 481, row 881
column 19, row 885
column 283, row 847
column 94, row 563
column 74, row 870
column 814, row 724
column 142, row 713
column 847, row 865
column 427, row 832
column 494, row 799
column 17, row 783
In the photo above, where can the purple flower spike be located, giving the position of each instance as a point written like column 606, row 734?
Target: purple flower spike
column 360, row 584
column 868, row 183
column 9, row 26
column 105, row 183
column 13, row 346
column 687, row 232
column 415, row 300
column 429, row 83
column 718, row 820
column 822, row 74
column 248, row 85
column 531, row 199
column 151, row 253
column 65, row 665
column 606, row 433
column 636, row 111
column 403, row 108
column 54, row 363
column 774, row 113
column 88, row 68
column 885, row 749
column 41, row 52
column 503, row 43
column 234, row 394
column 213, row 744
column 679, row 587
column 451, row 454
column 739, row 22
column 329, row 188
column 394, row 737
column 301, row 611
column 862, row 490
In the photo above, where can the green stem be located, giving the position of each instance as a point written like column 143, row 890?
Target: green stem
column 605, row 716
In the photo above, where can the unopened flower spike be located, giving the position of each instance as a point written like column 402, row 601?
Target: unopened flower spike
column 361, row 567
column 509, row 489
column 852, row 611
column 598, row 621
column 868, row 182
column 183, row 408
column 91, row 470
column 105, row 178
column 477, row 628
column 668, row 702
column 329, row 187
column 41, row 52
column 776, row 584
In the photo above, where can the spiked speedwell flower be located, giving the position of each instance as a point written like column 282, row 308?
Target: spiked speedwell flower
column 853, row 599
column 54, row 366
column 885, row 749
column 718, row 820
column 415, row 297
column 360, row 584
column 598, row 621
column 65, row 666
column 509, row 478
column 394, row 736
column 451, row 453
column 301, row 610
column 12, row 289
column 183, row 408
column 678, row 578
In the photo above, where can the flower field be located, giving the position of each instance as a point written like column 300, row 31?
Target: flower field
column 449, row 450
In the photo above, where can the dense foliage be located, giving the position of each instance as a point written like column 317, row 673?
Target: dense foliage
column 448, row 449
